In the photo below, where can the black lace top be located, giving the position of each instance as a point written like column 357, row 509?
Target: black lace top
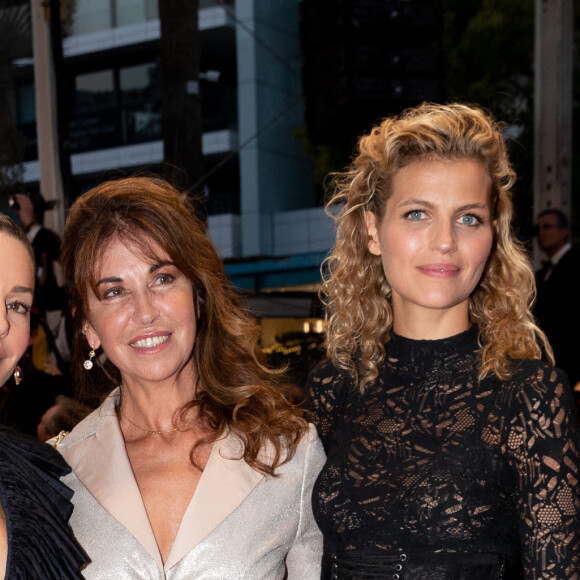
column 37, row 508
column 430, row 461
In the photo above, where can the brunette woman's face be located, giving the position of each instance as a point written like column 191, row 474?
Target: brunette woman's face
column 435, row 237
column 143, row 314
column 16, row 293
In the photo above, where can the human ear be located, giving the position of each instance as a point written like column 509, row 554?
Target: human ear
column 91, row 336
column 373, row 233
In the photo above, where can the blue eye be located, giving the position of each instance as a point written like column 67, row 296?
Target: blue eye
column 415, row 215
column 469, row 220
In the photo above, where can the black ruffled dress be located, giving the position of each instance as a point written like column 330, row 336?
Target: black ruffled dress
column 37, row 508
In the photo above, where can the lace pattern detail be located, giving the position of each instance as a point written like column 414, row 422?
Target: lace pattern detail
column 430, row 458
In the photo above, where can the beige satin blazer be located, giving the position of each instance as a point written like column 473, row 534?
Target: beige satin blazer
column 239, row 525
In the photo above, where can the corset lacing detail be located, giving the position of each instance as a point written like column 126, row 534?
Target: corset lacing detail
column 372, row 566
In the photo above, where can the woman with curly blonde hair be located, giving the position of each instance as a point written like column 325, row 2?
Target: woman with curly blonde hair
column 196, row 465
column 453, row 449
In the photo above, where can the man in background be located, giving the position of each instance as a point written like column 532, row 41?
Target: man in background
column 558, row 303
column 52, row 341
column 46, row 244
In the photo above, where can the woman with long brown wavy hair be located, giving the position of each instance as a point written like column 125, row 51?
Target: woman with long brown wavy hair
column 453, row 449
column 195, row 465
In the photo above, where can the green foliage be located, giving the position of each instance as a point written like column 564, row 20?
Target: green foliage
column 489, row 47
column 327, row 160
column 489, row 55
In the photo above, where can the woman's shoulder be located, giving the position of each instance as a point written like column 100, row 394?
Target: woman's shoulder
column 531, row 373
column 328, row 390
column 37, row 508
column 20, row 453
column 309, row 455
column 311, row 443
column 539, row 389
column 304, row 454
column 88, row 426
column 326, row 372
column 309, row 447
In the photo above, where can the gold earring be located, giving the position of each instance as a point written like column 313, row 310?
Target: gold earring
column 88, row 364
column 17, row 375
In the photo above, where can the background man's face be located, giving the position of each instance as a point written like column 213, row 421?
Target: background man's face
column 550, row 237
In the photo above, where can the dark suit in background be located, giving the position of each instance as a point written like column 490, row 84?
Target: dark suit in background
column 558, row 311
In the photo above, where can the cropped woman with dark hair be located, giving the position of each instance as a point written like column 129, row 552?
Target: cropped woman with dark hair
column 195, row 465
column 35, row 540
column 453, row 450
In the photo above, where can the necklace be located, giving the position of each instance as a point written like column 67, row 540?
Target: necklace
column 150, row 431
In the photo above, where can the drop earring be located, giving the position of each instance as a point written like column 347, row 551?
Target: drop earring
column 88, row 364
column 17, row 375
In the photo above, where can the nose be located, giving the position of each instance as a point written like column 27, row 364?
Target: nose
column 443, row 237
column 145, row 310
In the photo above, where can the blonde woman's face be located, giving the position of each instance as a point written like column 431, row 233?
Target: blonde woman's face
column 16, row 293
column 434, row 239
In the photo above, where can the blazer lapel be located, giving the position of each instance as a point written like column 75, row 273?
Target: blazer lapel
column 98, row 458
column 223, row 486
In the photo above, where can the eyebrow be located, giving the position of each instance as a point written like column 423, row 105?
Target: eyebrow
column 116, row 279
column 110, row 280
column 156, row 267
column 22, row 290
column 428, row 204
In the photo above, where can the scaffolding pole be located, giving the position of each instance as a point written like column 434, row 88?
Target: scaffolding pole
column 553, row 105
column 51, row 182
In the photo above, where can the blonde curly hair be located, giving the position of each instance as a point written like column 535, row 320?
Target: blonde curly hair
column 355, row 289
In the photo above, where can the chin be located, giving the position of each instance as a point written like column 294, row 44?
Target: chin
column 444, row 302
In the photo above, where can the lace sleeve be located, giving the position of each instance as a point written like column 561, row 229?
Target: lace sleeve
column 324, row 387
column 542, row 442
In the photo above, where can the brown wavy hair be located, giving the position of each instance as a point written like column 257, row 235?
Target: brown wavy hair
column 235, row 390
column 355, row 289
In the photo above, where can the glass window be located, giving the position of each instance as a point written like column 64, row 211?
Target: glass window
column 26, row 104
column 151, row 9
column 94, row 120
column 141, row 102
column 92, row 15
column 26, row 118
column 94, row 91
column 130, row 12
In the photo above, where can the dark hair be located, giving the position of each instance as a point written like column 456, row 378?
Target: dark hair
column 561, row 217
column 69, row 412
column 235, row 389
column 10, row 228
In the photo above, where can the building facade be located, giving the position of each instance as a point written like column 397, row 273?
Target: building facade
column 258, row 184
